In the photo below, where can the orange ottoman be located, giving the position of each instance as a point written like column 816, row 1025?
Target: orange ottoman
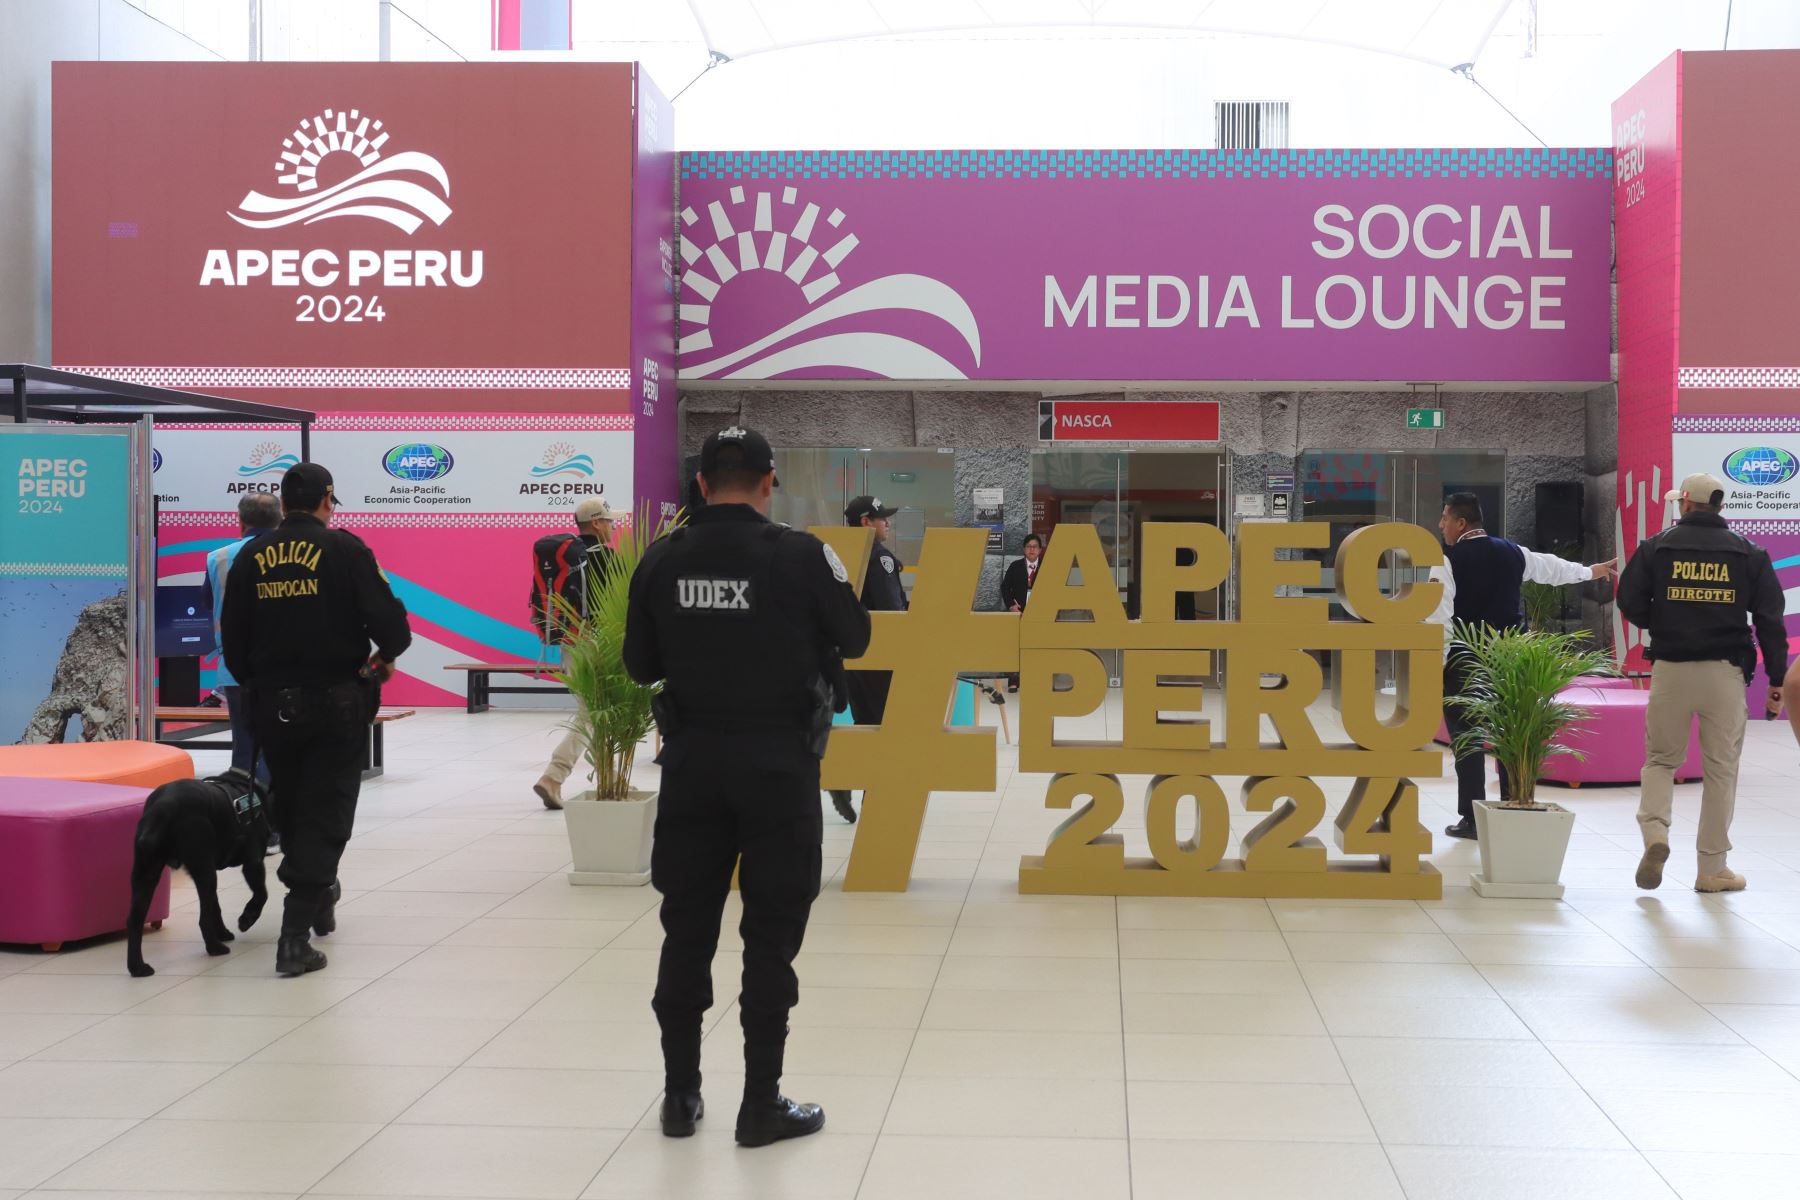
column 127, row 764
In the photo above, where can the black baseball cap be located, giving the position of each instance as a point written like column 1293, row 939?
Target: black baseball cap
column 866, row 506
column 753, row 451
column 306, row 486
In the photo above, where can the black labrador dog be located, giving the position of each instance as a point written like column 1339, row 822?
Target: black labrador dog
column 206, row 826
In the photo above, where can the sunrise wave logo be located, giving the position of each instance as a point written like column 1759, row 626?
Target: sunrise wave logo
column 561, row 459
column 872, row 328
column 405, row 189
column 267, row 458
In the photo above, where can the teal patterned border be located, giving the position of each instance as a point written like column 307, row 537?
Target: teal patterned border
column 1588, row 163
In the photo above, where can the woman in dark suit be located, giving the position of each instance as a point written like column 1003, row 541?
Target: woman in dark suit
column 1016, row 585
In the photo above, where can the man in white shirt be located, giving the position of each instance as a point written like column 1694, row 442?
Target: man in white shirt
column 1482, row 577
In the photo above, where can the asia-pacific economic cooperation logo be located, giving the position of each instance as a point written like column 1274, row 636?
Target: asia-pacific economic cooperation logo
column 417, row 462
column 392, row 189
column 737, row 330
column 1762, row 466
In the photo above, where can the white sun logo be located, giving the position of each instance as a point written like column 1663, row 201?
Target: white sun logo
column 771, row 256
column 842, row 327
column 404, row 189
column 317, row 137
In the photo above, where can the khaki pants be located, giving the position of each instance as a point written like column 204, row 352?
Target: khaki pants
column 1680, row 691
column 565, row 756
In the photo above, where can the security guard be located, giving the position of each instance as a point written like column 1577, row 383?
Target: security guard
column 302, row 605
column 738, row 617
column 882, row 591
column 1695, row 588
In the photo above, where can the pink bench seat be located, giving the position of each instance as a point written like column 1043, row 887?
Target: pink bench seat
column 65, row 860
column 1612, row 739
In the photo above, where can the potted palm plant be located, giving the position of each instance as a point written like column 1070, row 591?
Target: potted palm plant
column 610, row 825
column 1514, row 710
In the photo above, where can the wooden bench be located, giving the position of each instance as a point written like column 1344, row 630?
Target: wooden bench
column 481, row 689
column 204, row 723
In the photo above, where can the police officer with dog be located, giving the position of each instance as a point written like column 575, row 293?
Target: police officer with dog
column 882, row 591
column 1699, row 589
column 737, row 617
column 302, row 606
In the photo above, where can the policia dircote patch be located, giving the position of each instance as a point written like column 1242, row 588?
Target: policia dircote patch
column 714, row 595
column 1688, row 573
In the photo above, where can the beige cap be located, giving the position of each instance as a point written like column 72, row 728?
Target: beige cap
column 593, row 509
column 1700, row 488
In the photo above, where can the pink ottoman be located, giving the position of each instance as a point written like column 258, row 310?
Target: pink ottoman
column 65, row 860
column 1612, row 739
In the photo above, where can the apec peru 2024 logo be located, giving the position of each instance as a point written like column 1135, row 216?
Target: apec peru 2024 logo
column 336, row 170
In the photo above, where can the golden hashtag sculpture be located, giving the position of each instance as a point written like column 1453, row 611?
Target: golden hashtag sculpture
column 1267, row 736
column 913, row 753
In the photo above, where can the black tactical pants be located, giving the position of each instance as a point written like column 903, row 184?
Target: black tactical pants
column 868, row 695
column 1471, row 768
column 709, row 814
column 313, row 739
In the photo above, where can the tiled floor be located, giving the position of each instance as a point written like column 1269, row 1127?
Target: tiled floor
column 484, row 1029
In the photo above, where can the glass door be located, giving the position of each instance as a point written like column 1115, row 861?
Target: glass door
column 818, row 484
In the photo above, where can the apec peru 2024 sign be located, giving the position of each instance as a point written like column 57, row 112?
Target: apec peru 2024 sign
column 322, row 232
column 1176, row 265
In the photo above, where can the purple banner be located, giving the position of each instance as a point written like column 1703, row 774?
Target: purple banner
column 656, row 455
column 1167, row 265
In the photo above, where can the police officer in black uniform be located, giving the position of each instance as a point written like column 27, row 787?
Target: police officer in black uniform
column 738, row 617
column 882, row 591
column 302, row 605
column 1698, row 589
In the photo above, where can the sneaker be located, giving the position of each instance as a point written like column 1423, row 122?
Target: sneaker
column 1725, row 881
column 1650, row 867
column 549, row 791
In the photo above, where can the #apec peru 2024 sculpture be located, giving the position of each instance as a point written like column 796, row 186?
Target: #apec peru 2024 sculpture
column 1169, row 733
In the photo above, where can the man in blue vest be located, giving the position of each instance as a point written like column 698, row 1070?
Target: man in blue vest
column 258, row 513
column 1483, row 577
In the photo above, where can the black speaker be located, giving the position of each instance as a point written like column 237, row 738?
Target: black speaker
column 690, row 467
column 1559, row 515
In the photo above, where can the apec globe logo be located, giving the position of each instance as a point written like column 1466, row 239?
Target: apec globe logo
column 155, row 460
column 405, row 189
column 1762, row 466
column 417, row 462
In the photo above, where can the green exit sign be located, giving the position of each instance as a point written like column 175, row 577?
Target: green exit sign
column 1424, row 418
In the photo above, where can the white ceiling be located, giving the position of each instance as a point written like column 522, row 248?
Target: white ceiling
column 1442, row 33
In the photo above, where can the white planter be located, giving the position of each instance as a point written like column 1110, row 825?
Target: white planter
column 610, row 839
column 1522, row 850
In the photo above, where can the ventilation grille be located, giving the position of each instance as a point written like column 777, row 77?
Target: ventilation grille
column 1251, row 124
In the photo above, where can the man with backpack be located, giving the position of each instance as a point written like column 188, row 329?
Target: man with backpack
column 569, row 567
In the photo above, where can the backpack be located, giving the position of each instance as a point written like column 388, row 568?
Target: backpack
column 557, row 569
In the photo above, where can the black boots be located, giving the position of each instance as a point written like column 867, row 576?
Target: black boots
column 845, row 809
column 294, row 955
column 1464, row 828
column 325, row 923
column 760, row 1123
column 680, row 1110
